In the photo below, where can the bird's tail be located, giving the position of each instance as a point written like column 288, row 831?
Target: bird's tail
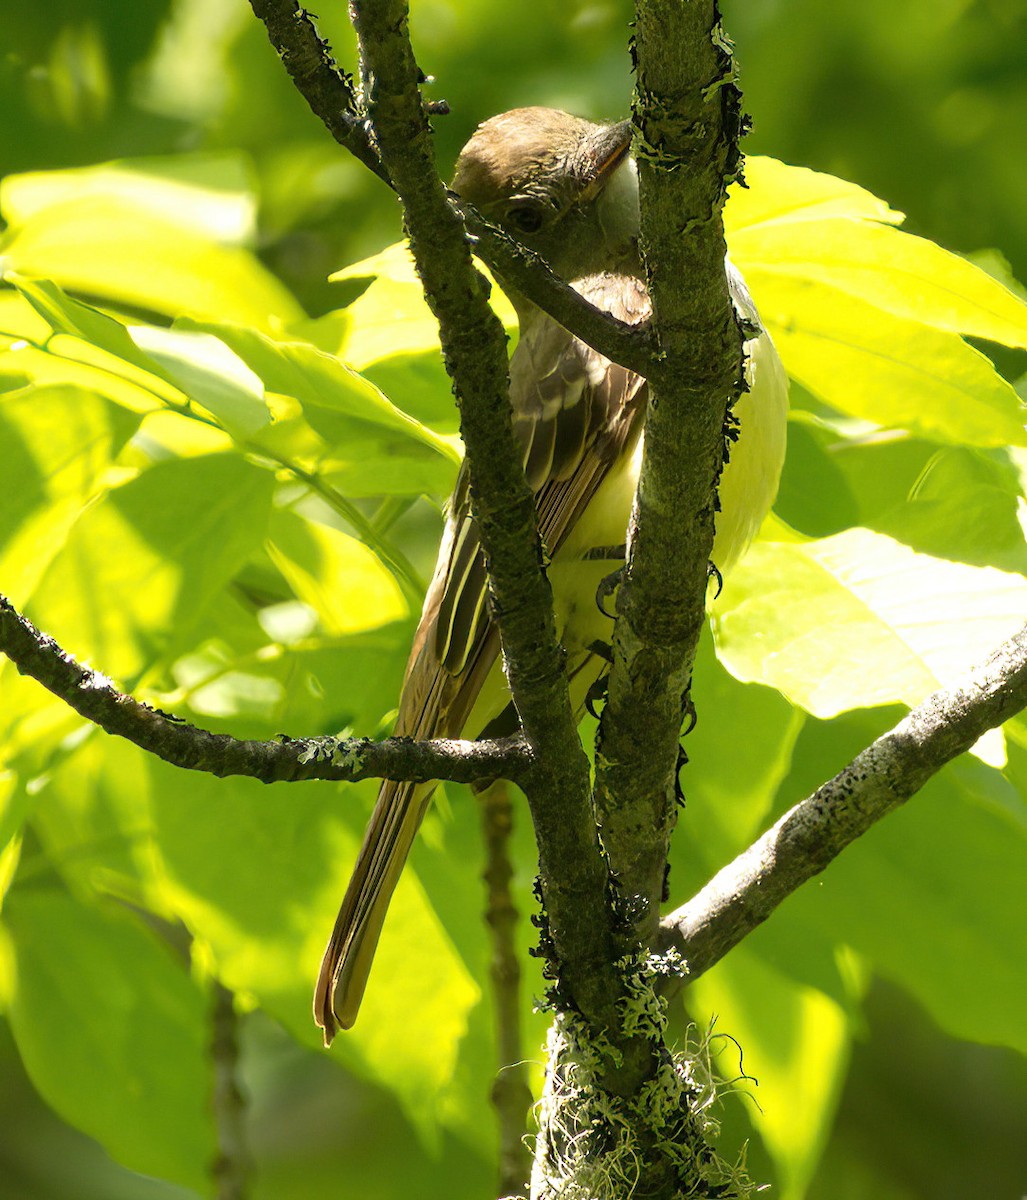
column 347, row 961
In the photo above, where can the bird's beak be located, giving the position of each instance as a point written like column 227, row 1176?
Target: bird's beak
column 607, row 151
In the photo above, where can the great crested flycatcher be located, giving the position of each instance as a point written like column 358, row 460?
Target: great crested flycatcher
column 567, row 188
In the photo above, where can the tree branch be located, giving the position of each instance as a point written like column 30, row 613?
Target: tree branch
column 233, row 1164
column 813, row 833
column 511, row 1092
column 686, row 113
column 330, row 93
column 572, row 868
column 320, row 81
column 93, row 696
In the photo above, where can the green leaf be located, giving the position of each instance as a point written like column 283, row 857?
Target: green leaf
column 14, row 806
column 858, row 619
column 948, row 501
column 729, row 782
column 63, row 361
column 904, row 275
column 58, row 443
column 966, row 505
column 209, row 374
column 19, row 320
column 267, row 912
column 124, row 254
column 85, row 347
column 133, row 581
column 197, row 366
column 780, row 194
column 320, row 381
column 209, row 194
column 391, row 317
column 365, row 445
column 112, row 1032
column 885, row 368
column 338, row 576
column 91, row 816
column 91, row 336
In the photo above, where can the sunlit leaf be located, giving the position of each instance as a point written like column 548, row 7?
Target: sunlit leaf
column 58, row 442
column 904, row 275
column 209, row 194
column 19, row 320
column 320, row 380
column 859, row 619
column 365, row 445
column 126, row 255
column 391, row 316
column 338, row 576
column 139, row 569
column 71, row 362
column 795, row 1043
column 781, row 194
column 209, row 374
column 884, row 368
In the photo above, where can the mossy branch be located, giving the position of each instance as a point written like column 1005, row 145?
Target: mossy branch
column 93, row 696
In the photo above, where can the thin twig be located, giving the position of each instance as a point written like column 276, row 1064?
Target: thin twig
column 93, row 696
column 232, row 1163
column 813, row 833
column 511, row 1094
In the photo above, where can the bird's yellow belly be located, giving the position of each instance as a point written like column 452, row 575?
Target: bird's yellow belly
column 747, row 491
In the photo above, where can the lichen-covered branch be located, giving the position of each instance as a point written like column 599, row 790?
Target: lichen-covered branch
column 813, row 833
column 686, row 114
column 93, row 696
column 330, row 93
column 573, row 872
column 320, row 81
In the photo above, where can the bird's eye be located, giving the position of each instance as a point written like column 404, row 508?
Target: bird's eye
column 525, row 217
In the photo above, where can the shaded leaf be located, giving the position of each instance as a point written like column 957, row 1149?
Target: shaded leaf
column 113, row 1033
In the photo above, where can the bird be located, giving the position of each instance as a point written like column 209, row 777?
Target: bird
column 567, row 188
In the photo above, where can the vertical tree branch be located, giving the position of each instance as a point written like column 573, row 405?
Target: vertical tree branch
column 230, row 1170
column 687, row 116
column 573, row 871
column 511, row 1094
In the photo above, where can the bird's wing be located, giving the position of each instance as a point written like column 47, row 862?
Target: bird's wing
column 574, row 413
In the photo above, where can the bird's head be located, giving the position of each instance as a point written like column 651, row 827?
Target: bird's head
column 563, row 186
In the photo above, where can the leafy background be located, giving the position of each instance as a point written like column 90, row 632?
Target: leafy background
column 233, row 524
